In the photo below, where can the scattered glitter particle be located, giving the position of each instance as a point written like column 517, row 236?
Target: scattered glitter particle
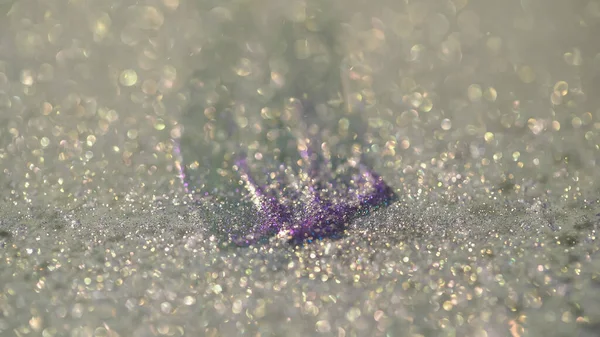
column 446, row 124
column 561, row 88
column 475, row 93
column 128, row 78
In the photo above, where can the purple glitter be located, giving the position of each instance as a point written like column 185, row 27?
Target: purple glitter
column 322, row 211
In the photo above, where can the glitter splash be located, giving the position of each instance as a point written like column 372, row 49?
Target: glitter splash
column 308, row 199
column 312, row 207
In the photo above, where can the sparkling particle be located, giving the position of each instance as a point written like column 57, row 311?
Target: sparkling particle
column 427, row 105
column 244, row 67
column 446, row 124
column 128, row 78
column 160, row 125
column 353, row 314
column 490, row 94
column 27, row 77
column 474, row 92
column 561, row 88
column 36, row 323
column 573, row 58
column 416, row 99
column 237, row 307
column 132, row 134
column 100, row 26
column 416, row 52
column 323, row 326
column 166, row 307
column 45, row 141
column 189, row 300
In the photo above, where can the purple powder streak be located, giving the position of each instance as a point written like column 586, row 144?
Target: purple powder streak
column 308, row 204
column 179, row 164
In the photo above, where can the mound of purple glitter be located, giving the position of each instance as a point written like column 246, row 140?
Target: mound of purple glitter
column 310, row 208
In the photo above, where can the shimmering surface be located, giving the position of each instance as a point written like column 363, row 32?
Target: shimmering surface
column 481, row 115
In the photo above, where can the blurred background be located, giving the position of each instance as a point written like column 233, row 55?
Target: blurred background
column 485, row 114
column 443, row 94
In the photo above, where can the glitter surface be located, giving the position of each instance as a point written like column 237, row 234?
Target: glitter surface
column 482, row 116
